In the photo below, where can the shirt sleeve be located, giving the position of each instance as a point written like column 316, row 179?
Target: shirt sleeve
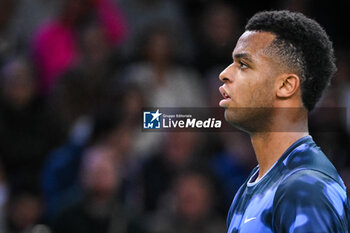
column 309, row 201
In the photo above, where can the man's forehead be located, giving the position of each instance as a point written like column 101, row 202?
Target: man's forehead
column 253, row 42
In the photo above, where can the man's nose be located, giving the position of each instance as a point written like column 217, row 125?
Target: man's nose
column 226, row 75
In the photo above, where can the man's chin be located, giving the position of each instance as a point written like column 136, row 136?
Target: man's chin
column 235, row 114
column 246, row 119
column 235, row 117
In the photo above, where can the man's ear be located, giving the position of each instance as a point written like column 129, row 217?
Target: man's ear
column 287, row 85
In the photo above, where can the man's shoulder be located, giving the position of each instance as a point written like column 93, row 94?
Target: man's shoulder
column 307, row 196
column 310, row 199
column 308, row 160
column 308, row 187
column 310, row 179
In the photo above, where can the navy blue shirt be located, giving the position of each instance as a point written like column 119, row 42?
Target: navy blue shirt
column 301, row 192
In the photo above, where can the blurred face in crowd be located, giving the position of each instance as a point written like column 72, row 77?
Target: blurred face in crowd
column 100, row 175
column 248, row 88
column 158, row 48
column 95, row 47
column 120, row 140
column 220, row 25
column 133, row 105
column 180, row 148
column 18, row 84
column 193, row 197
column 24, row 211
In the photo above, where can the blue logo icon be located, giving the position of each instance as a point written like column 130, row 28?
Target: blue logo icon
column 151, row 120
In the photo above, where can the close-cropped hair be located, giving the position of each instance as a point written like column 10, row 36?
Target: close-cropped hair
column 303, row 46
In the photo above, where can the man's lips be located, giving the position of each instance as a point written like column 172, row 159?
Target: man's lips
column 224, row 93
column 227, row 98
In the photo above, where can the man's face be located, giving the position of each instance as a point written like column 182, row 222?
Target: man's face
column 248, row 88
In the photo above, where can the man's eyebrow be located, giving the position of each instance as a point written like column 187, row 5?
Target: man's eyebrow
column 245, row 56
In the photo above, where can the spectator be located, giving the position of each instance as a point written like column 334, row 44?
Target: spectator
column 54, row 45
column 77, row 95
column 142, row 14
column 219, row 27
column 27, row 16
column 24, row 211
column 190, row 208
column 99, row 209
column 98, row 56
column 161, row 78
column 24, row 123
column 61, row 170
column 159, row 170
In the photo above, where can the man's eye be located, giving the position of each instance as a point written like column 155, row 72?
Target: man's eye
column 242, row 65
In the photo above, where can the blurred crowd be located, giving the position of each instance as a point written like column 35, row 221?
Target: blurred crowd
column 74, row 76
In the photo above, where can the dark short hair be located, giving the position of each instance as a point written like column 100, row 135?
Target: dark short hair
column 303, row 45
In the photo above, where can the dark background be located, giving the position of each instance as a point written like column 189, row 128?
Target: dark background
column 74, row 76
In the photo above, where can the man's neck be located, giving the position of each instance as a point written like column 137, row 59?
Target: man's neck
column 269, row 147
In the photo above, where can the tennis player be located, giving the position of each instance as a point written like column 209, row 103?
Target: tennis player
column 283, row 60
